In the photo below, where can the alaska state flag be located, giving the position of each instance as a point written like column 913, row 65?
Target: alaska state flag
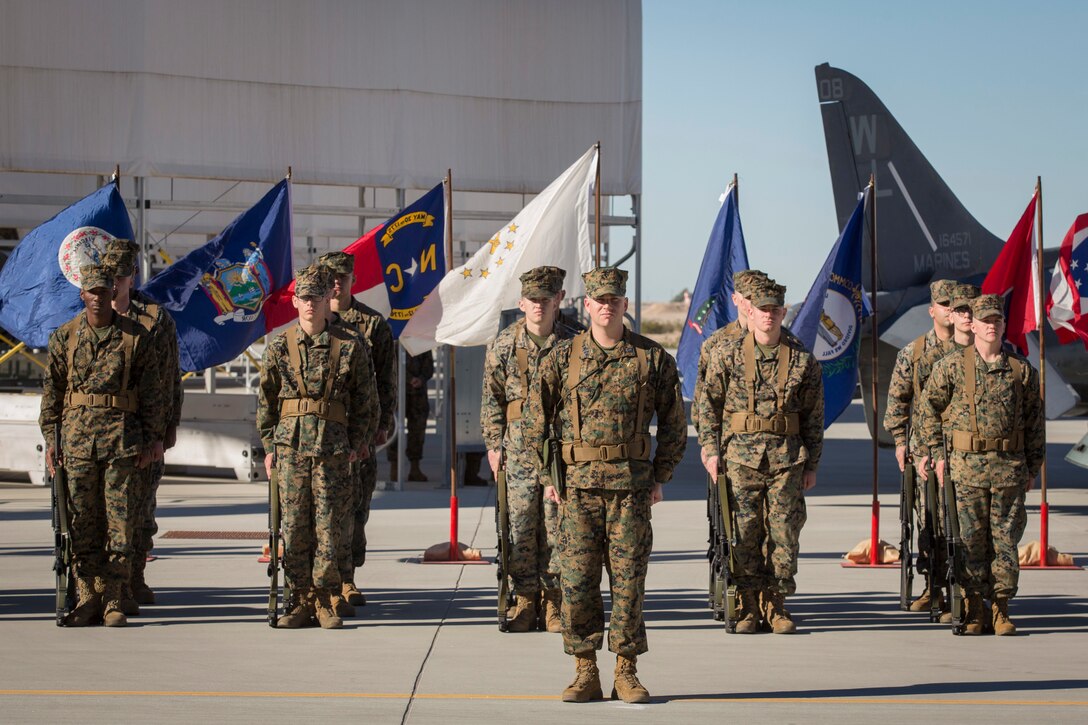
column 712, row 301
column 829, row 323
column 405, row 253
column 39, row 284
column 217, row 293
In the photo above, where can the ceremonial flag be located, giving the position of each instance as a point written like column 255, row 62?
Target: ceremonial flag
column 552, row 229
column 405, row 252
column 712, row 301
column 39, row 284
column 1067, row 302
column 1016, row 269
column 217, row 293
column 829, row 322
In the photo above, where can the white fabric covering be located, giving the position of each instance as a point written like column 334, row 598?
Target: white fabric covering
column 361, row 92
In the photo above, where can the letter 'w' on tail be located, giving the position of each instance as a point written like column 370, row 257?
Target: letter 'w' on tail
column 925, row 232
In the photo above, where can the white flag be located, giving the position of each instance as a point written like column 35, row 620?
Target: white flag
column 552, row 230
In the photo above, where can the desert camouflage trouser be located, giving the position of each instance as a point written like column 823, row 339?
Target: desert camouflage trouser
column 145, row 526
column 604, row 527
column 352, row 554
column 313, row 494
column 534, row 528
column 992, row 522
column 770, row 512
column 103, row 501
column 417, row 408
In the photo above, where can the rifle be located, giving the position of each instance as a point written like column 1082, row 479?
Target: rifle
column 955, row 552
column 502, row 523
column 62, row 538
column 723, row 544
column 933, row 538
column 906, row 524
column 273, row 547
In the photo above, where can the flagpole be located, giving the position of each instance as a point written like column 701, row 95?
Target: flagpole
column 875, row 534
column 736, row 190
column 1044, row 508
column 451, row 404
column 597, row 209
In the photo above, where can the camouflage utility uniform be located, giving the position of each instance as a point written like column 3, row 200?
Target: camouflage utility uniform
column 372, row 327
column 994, row 444
column 605, row 515
column 103, row 388
column 417, row 406
column 510, row 368
column 313, row 425
column 121, row 256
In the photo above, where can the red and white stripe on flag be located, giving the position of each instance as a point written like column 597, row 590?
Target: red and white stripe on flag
column 1067, row 301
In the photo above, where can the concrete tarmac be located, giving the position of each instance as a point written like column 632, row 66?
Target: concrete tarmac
column 426, row 648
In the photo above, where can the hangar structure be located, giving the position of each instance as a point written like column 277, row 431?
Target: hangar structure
column 201, row 106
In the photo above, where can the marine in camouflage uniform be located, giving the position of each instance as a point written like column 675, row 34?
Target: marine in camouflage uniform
column 742, row 295
column 418, row 369
column 913, row 364
column 982, row 420
column 509, row 368
column 372, row 327
column 313, row 423
column 120, row 255
column 762, row 411
column 103, row 389
column 597, row 394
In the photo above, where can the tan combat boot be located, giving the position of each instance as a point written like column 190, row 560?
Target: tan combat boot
column 325, row 609
column 298, row 612
column 141, row 592
column 777, row 615
column 88, row 609
column 922, row 603
column 1003, row 626
column 553, row 622
column 351, row 593
column 522, row 616
column 587, row 680
column 974, row 619
column 342, row 606
column 415, row 474
column 113, row 615
column 750, row 612
column 129, row 605
column 627, row 687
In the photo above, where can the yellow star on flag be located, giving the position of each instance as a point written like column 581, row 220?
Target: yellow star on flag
column 513, row 227
column 498, row 262
column 509, row 245
column 484, row 272
column 466, row 272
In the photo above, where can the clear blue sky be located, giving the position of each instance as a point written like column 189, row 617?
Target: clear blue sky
column 994, row 94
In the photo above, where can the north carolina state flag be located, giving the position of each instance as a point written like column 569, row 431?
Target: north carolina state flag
column 1015, row 271
column 397, row 264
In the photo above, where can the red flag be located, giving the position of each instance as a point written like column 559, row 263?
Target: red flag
column 278, row 310
column 1065, row 302
column 1014, row 271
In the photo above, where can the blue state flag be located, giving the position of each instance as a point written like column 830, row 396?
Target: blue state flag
column 712, row 301
column 216, row 294
column 829, row 322
column 412, row 255
column 39, row 284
